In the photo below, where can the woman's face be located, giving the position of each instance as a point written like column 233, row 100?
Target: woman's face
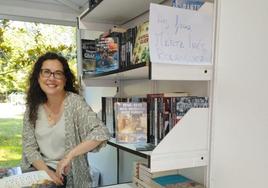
column 51, row 78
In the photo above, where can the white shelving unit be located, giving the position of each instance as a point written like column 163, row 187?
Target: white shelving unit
column 186, row 147
column 182, row 147
column 117, row 12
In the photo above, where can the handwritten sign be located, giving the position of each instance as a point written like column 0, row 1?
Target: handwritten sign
column 179, row 36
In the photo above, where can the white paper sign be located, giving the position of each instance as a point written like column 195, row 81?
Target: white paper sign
column 179, row 36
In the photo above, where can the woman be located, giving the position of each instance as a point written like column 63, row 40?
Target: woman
column 59, row 127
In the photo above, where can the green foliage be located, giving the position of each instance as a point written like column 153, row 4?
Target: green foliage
column 10, row 142
column 22, row 43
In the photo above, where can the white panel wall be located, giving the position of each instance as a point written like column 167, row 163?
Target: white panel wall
column 240, row 115
column 105, row 160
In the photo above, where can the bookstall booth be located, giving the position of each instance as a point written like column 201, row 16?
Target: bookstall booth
column 215, row 50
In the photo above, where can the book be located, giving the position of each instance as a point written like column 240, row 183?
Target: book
column 183, row 104
column 139, row 184
column 130, row 37
column 159, row 114
column 174, row 181
column 131, row 122
column 188, row 4
column 141, row 47
column 108, row 114
column 27, row 180
column 89, row 56
column 107, row 54
column 146, row 175
column 144, row 146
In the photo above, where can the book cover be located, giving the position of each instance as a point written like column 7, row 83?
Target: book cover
column 141, row 47
column 183, row 104
column 174, row 181
column 188, row 4
column 131, row 122
column 27, row 180
column 89, row 56
column 107, row 54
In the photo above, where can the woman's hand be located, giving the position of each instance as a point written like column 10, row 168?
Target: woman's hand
column 56, row 179
column 64, row 166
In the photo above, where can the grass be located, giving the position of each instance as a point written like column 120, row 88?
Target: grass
column 10, row 142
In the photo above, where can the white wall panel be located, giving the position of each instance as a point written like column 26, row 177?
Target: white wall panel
column 240, row 115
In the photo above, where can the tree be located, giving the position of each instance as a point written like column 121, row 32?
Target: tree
column 21, row 43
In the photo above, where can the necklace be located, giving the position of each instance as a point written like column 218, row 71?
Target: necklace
column 53, row 117
column 50, row 119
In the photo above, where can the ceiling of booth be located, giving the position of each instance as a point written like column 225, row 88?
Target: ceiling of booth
column 62, row 12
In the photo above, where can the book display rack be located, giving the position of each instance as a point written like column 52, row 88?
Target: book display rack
column 186, row 145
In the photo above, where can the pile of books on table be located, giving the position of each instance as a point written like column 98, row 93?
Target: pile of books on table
column 144, row 178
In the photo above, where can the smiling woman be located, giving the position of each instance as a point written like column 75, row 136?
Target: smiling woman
column 55, row 113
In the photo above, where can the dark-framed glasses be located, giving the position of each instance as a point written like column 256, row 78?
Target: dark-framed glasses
column 46, row 73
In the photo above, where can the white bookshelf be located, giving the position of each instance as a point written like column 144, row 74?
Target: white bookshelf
column 186, row 147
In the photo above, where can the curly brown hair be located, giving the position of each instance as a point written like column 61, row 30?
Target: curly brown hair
column 35, row 95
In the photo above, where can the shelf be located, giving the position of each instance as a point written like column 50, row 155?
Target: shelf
column 185, row 146
column 158, row 72
column 129, row 148
column 117, row 12
column 162, row 71
column 139, row 71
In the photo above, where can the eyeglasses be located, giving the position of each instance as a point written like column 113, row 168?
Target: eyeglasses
column 46, row 73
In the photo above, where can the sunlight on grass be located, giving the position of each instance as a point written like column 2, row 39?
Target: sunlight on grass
column 10, row 153
column 10, row 142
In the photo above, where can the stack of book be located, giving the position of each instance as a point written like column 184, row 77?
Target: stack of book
column 144, row 178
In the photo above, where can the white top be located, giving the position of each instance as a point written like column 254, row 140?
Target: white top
column 50, row 138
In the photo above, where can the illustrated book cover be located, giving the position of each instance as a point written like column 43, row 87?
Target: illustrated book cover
column 131, row 122
column 107, row 54
column 141, row 47
column 89, row 56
